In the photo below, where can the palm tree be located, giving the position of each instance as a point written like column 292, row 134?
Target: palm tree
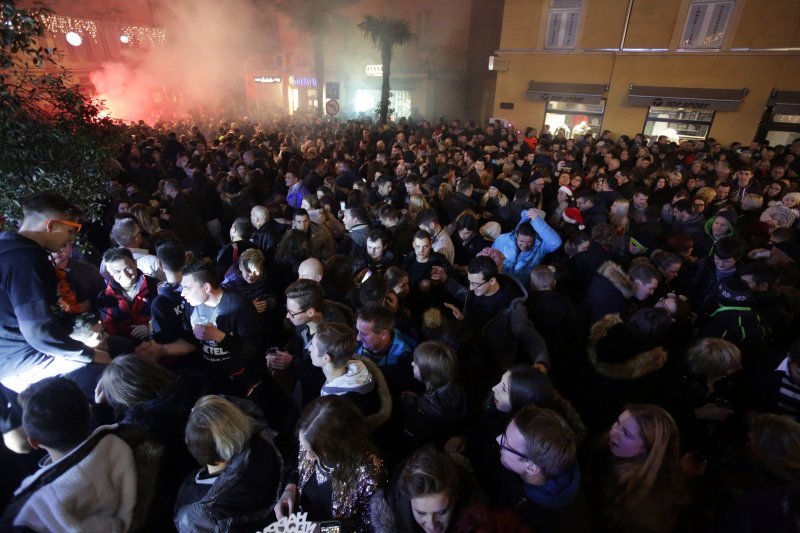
column 312, row 18
column 386, row 33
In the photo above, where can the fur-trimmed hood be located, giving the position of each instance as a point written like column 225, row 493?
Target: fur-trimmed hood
column 638, row 366
column 617, row 277
column 374, row 421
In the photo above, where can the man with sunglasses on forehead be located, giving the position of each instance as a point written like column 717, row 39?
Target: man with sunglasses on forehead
column 539, row 447
column 33, row 343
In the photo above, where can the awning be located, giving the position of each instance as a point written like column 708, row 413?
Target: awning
column 579, row 93
column 787, row 103
column 701, row 99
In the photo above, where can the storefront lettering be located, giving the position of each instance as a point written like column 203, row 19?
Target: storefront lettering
column 299, row 81
column 562, row 98
column 374, row 70
column 686, row 104
column 267, row 79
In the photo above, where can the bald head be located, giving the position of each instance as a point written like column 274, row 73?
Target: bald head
column 310, row 269
column 259, row 216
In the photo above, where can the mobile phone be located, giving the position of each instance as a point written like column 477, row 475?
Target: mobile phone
column 367, row 275
column 341, row 206
column 330, row 526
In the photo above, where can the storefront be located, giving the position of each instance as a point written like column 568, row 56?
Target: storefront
column 264, row 91
column 682, row 113
column 302, row 93
column 367, row 94
column 783, row 122
column 572, row 108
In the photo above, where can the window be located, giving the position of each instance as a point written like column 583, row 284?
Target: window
column 574, row 119
column 562, row 24
column 678, row 123
column 706, row 24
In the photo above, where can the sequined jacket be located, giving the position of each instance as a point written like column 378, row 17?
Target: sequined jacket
column 352, row 506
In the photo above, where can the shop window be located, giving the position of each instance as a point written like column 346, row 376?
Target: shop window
column 678, row 123
column 574, row 119
column 706, row 24
column 562, row 24
column 783, row 129
column 367, row 101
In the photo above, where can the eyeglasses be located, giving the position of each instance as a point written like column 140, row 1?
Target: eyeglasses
column 509, row 449
column 66, row 223
column 295, row 314
column 474, row 285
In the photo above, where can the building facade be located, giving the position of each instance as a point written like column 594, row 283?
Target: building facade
column 688, row 69
column 149, row 57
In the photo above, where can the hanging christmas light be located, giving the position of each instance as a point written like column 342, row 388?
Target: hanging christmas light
column 145, row 35
column 64, row 25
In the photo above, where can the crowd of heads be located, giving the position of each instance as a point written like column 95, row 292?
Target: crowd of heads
column 514, row 303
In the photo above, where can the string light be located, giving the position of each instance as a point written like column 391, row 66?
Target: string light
column 145, row 35
column 65, row 25
column 140, row 35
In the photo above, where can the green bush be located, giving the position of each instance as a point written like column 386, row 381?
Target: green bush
column 52, row 135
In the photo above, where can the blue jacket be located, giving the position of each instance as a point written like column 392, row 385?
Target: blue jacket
column 520, row 264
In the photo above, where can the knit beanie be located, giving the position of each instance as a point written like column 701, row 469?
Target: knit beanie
column 734, row 291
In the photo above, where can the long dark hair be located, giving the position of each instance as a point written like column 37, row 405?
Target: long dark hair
column 530, row 386
column 334, row 429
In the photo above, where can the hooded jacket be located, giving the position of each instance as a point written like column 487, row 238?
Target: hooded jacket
column 638, row 365
column 518, row 263
column 364, row 379
column 609, row 293
column 705, row 242
column 30, row 335
column 510, row 328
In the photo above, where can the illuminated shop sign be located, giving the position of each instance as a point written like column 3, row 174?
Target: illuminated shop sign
column 374, row 70
column 300, row 81
column 267, row 79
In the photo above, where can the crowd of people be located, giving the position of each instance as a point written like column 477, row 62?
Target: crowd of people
column 408, row 327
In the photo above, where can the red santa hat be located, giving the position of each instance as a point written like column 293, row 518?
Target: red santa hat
column 573, row 216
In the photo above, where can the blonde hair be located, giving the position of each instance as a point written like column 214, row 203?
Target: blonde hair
column 707, row 194
column 217, row 430
column 751, row 202
column 502, row 199
column 416, row 203
column 713, row 357
column 659, row 464
column 252, row 257
column 145, row 217
column 618, row 216
column 792, row 195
